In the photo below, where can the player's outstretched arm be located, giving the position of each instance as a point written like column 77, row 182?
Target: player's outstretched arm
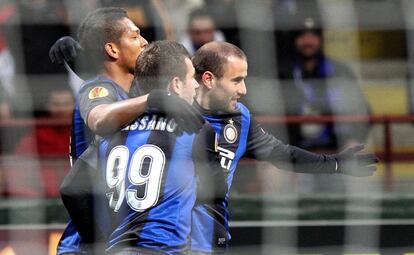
column 263, row 146
column 348, row 162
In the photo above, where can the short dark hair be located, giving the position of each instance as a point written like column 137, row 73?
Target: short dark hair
column 160, row 62
column 98, row 28
column 197, row 13
column 213, row 56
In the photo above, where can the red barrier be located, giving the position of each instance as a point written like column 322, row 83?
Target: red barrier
column 35, row 122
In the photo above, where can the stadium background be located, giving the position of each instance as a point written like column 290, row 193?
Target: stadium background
column 272, row 211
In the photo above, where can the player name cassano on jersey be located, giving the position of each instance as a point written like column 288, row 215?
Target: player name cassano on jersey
column 153, row 122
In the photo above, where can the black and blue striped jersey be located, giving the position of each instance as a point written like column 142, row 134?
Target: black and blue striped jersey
column 148, row 174
column 93, row 92
column 239, row 135
column 210, row 215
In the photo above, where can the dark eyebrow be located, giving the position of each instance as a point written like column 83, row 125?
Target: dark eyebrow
column 137, row 31
column 239, row 78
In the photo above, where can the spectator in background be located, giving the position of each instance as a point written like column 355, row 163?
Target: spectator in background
column 224, row 13
column 179, row 11
column 50, row 140
column 318, row 85
column 49, row 143
column 201, row 30
column 314, row 84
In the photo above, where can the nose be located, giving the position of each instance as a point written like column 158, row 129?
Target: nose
column 144, row 42
column 242, row 90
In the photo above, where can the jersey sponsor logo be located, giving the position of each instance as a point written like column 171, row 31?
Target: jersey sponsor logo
column 230, row 132
column 97, row 92
column 226, row 157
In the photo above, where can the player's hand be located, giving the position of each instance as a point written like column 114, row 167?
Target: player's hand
column 353, row 164
column 187, row 117
column 64, row 49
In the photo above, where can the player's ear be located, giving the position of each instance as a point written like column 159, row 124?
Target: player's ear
column 112, row 50
column 175, row 86
column 208, row 79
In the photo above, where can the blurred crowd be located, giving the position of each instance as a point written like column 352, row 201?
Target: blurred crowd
column 304, row 79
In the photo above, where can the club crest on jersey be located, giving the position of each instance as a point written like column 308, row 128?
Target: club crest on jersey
column 230, row 132
column 97, row 92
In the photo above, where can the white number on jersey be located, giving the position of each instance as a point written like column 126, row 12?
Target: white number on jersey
column 116, row 167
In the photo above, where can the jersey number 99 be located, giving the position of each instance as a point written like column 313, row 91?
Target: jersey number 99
column 145, row 169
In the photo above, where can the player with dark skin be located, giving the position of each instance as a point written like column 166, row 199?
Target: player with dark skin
column 108, row 118
column 119, row 66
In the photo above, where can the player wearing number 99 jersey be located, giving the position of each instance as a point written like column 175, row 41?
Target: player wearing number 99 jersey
column 148, row 169
column 150, row 178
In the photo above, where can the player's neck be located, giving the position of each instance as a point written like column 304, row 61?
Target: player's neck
column 120, row 77
column 203, row 99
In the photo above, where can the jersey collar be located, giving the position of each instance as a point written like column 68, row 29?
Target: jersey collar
column 217, row 114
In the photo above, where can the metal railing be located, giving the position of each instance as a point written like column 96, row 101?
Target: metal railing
column 387, row 155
